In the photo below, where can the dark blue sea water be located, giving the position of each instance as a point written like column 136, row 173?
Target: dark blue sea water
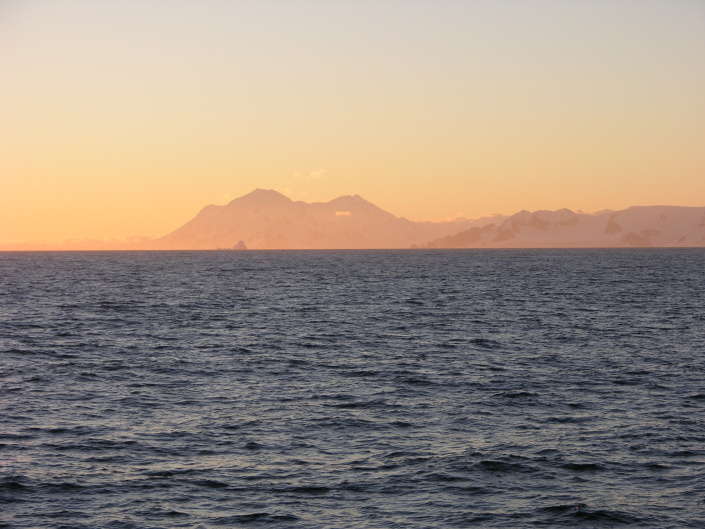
column 366, row 389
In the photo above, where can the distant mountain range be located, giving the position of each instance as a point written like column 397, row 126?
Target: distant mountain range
column 639, row 226
column 266, row 219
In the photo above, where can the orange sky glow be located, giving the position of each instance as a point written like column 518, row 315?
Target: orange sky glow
column 124, row 118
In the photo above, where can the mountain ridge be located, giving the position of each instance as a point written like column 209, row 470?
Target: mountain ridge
column 636, row 226
column 267, row 219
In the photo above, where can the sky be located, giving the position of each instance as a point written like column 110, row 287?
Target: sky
column 125, row 117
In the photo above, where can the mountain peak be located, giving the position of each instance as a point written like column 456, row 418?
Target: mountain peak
column 263, row 197
column 350, row 199
column 259, row 192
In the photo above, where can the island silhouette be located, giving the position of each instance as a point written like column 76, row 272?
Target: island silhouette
column 265, row 219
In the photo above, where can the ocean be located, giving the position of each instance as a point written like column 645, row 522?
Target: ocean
column 364, row 389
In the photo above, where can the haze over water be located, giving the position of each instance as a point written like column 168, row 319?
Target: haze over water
column 405, row 389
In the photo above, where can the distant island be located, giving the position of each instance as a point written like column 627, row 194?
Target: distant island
column 268, row 220
column 239, row 246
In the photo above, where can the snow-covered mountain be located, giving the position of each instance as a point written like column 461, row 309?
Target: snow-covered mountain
column 639, row 226
column 266, row 219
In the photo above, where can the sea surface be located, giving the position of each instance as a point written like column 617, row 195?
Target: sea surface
column 353, row 389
